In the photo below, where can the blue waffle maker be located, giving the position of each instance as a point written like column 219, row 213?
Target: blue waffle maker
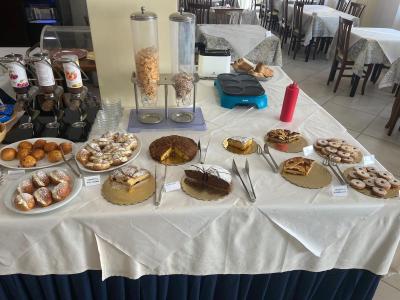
column 240, row 89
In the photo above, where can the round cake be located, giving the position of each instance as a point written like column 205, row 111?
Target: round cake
column 173, row 149
column 128, row 185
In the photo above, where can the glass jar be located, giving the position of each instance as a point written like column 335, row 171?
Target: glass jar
column 72, row 72
column 145, row 42
column 182, row 28
column 44, row 72
column 17, row 73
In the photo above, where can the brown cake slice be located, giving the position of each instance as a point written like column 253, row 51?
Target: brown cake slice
column 298, row 166
column 167, row 146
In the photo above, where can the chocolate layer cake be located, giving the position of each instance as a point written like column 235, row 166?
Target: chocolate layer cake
column 167, row 146
column 213, row 178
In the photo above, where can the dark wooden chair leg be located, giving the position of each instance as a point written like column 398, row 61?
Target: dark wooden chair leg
column 308, row 50
column 342, row 67
column 394, row 88
column 296, row 47
column 367, row 75
column 317, row 44
column 333, row 71
column 354, row 85
column 394, row 116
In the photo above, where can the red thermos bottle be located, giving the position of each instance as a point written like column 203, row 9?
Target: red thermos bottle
column 289, row 103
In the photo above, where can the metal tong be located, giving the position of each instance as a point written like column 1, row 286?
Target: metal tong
column 77, row 173
column 203, row 158
column 271, row 164
column 252, row 195
column 158, row 196
column 326, row 162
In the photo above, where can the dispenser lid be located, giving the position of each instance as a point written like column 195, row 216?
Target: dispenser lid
column 182, row 16
column 143, row 15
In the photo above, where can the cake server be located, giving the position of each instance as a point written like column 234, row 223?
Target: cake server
column 158, row 199
column 261, row 152
column 199, row 147
column 205, row 152
column 266, row 150
column 236, row 171
column 155, row 186
column 247, row 168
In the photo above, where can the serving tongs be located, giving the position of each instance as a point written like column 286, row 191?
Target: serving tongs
column 158, row 196
column 327, row 163
column 235, row 170
column 334, row 164
column 77, row 173
column 262, row 153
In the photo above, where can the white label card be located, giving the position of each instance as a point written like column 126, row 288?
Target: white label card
column 369, row 160
column 339, row 190
column 92, row 180
column 172, row 186
column 15, row 174
column 307, row 151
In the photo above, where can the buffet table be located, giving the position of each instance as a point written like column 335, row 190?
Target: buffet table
column 250, row 41
column 292, row 242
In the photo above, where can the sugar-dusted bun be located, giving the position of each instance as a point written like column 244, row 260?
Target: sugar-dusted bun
column 43, row 196
column 61, row 191
column 26, row 186
column 24, row 201
column 58, row 176
column 8, row 154
column 83, row 156
column 40, row 179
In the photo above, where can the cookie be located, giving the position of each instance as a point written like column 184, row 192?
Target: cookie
column 343, row 154
column 359, row 169
column 385, row 175
column 370, row 183
column 353, row 175
column 318, row 147
column 334, row 144
column 322, row 143
column 395, row 183
column 380, row 192
column 357, row 184
column 346, row 148
column 372, row 175
column 382, row 183
column 348, row 160
column 362, row 174
column 372, row 170
column 331, row 150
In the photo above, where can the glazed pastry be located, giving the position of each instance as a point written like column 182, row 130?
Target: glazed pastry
column 66, row 147
column 282, row 136
column 24, row 201
column 38, row 153
column 353, row 175
column 362, row 174
column 25, row 145
column 372, row 170
column 348, row 160
column 382, row 183
column 298, row 166
column 83, row 156
column 8, row 154
column 43, row 196
column 395, row 183
column 385, row 175
column 61, row 191
column 370, row 183
column 58, row 176
column 24, row 152
column 380, row 192
column 357, row 184
column 240, row 142
column 322, row 143
column 40, row 179
column 28, row 162
column 39, row 144
column 54, row 156
column 334, row 144
column 26, row 186
column 48, row 147
column 359, row 169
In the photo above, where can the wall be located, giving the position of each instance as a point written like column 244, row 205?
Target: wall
column 112, row 41
column 380, row 13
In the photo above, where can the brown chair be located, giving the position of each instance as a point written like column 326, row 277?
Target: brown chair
column 394, row 116
column 284, row 26
column 321, row 2
column 356, row 9
column 184, row 4
column 297, row 35
column 307, row 2
column 201, row 8
column 269, row 16
column 341, row 54
column 342, row 5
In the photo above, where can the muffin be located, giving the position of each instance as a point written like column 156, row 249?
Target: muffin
column 38, row 153
column 48, row 147
column 66, row 147
column 39, row 144
column 54, row 156
column 24, row 152
column 28, row 162
column 25, row 145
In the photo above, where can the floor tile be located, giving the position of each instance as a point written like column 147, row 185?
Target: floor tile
column 369, row 104
column 350, row 118
column 355, row 134
column 317, row 90
column 386, row 292
column 385, row 152
column 394, row 281
column 377, row 129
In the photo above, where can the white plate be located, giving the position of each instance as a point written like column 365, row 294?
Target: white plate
column 44, row 163
column 133, row 156
column 11, row 192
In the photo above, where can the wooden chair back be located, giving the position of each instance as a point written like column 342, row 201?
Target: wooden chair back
column 232, row 3
column 184, row 4
column 321, row 2
column 356, row 9
column 342, row 5
column 201, row 8
column 307, row 2
column 298, row 17
column 285, row 7
column 343, row 37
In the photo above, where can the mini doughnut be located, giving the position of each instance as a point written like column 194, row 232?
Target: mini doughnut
column 373, row 175
column 380, row 192
column 334, row 144
column 357, row 184
column 335, row 158
column 385, row 175
column 359, row 169
column 322, row 143
column 331, row 150
column 395, row 183
column 353, row 175
column 325, row 152
column 382, row 183
column 346, row 148
column 343, row 154
column 369, row 182
column 372, row 170
column 363, row 174
column 317, row 147
column 348, row 160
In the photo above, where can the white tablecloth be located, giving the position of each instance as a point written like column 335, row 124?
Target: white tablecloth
column 288, row 228
column 320, row 21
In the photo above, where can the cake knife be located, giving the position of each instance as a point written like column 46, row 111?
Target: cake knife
column 158, row 199
column 199, row 148
column 156, row 203
column 236, row 171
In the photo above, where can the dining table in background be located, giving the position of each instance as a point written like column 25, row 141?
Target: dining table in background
column 320, row 21
column 253, row 42
column 219, row 15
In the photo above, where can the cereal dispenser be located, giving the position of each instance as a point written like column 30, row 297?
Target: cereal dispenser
column 182, row 28
column 145, row 39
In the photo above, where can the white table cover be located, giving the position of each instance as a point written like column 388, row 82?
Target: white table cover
column 320, row 21
column 288, row 228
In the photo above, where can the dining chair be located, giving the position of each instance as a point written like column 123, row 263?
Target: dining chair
column 269, row 15
column 394, row 116
column 231, row 3
column 307, row 2
column 356, row 9
column 184, row 4
column 284, row 26
column 201, row 8
column 297, row 35
column 341, row 56
column 321, row 2
column 342, row 5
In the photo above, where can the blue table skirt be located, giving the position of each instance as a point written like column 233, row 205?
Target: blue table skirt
column 296, row 285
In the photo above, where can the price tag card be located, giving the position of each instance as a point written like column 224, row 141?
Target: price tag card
column 15, row 174
column 369, row 160
column 339, row 191
column 92, row 180
column 172, row 186
column 307, row 151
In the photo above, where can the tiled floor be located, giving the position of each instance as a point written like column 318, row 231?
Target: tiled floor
column 363, row 116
